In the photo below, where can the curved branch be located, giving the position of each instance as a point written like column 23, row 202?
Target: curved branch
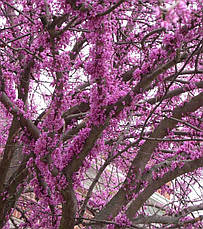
column 143, row 156
column 151, row 33
column 156, row 184
column 174, row 92
column 111, row 9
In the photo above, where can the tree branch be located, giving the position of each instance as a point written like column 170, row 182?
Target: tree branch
column 156, row 184
column 111, row 9
column 16, row 112
column 143, row 156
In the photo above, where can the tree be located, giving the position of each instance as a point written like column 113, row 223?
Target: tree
column 112, row 86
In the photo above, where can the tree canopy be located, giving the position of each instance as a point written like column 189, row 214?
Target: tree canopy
column 100, row 108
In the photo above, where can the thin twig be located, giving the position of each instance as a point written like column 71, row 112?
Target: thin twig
column 20, row 12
